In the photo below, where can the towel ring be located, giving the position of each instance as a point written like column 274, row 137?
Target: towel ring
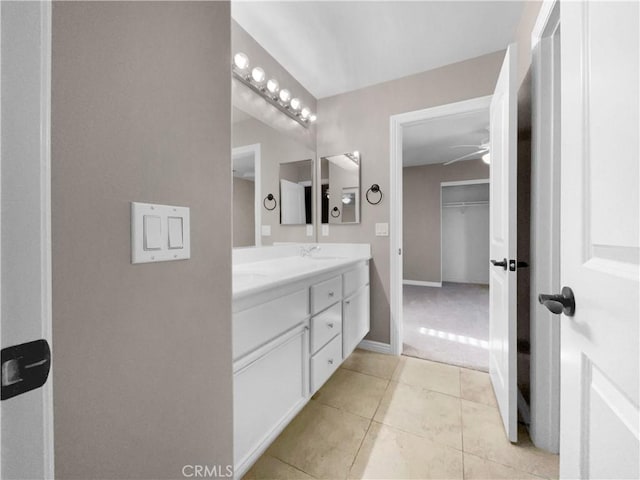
column 335, row 210
column 270, row 198
column 375, row 188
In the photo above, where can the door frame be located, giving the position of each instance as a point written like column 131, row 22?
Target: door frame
column 397, row 123
column 45, row 219
column 545, row 231
column 257, row 191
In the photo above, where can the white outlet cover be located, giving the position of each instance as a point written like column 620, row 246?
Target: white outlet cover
column 325, row 230
column 382, row 229
column 266, row 230
column 309, row 230
column 160, row 251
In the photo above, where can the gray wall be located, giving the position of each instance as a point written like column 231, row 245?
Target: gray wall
column 142, row 353
column 359, row 120
column 421, row 214
column 244, row 232
column 275, row 147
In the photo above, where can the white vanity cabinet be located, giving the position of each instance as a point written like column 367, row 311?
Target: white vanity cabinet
column 288, row 339
column 270, row 371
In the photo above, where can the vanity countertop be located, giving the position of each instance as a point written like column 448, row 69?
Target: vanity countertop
column 263, row 268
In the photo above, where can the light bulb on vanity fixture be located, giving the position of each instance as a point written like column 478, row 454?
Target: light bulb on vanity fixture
column 295, row 104
column 285, row 96
column 258, row 75
column 486, row 158
column 273, row 87
column 241, row 61
column 281, row 98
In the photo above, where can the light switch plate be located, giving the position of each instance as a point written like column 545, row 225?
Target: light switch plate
column 309, row 230
column 325, row 229
column 382, row 229
column 266, row 230
column 159, row 233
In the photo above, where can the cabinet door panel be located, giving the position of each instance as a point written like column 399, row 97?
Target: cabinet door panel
column 268, row 392
column 355, row 320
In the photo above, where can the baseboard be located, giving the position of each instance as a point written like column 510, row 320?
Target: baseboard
column 420, row 283
column 373, row 346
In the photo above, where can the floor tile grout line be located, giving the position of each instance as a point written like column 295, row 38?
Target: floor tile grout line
column 364, row 373
column 507, row 466
column 364, row 437
column 289, row 464
column 437, row 442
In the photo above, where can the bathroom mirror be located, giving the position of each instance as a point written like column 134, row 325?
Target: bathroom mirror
column 340, row 188
column 262, row 156
column 296, row 193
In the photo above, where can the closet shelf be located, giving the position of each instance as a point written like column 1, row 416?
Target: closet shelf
column 464, row 204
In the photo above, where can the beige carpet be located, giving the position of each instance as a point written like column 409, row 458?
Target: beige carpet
column 448, row 324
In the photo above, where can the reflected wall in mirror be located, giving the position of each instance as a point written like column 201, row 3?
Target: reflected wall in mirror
column 246, row 196
column 275, row 149
column 340, row 188
column 296, row 193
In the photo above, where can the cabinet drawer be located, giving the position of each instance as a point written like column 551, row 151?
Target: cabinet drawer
column 354, row 279
column 325, row 326
column 325, row 293
column 259, row 325
column 325, row 362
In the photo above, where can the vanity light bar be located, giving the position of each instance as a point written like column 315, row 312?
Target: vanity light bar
column 270, row 90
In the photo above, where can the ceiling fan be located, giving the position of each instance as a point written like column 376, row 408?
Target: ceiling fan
column 482, row 151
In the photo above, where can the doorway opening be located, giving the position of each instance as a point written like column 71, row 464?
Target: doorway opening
column 445, row 278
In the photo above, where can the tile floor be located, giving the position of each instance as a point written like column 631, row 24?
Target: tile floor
column 448, row 324
column 384, row 417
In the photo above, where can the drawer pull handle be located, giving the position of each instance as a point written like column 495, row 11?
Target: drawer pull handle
column 331, row 294
column 330, row 324
column 330, row 361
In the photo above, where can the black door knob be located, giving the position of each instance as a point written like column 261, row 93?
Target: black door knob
column 502, row 264
column 563, row 303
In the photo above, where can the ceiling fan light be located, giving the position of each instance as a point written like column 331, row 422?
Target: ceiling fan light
column 241, row 61
column 486, row 158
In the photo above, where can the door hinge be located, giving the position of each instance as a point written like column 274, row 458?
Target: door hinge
column 24, row 367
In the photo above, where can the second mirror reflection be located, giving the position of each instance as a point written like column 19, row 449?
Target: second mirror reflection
column 340, row 184
column 296, row 193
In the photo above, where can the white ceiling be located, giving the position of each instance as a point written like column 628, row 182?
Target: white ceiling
column 334, row 47
column 431, row 141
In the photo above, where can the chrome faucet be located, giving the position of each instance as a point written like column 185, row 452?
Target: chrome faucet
column 306, row 251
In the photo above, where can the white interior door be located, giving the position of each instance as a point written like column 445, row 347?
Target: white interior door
column 502, row 233
column 600, row 241
column 26, row 425
column 292, row 207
